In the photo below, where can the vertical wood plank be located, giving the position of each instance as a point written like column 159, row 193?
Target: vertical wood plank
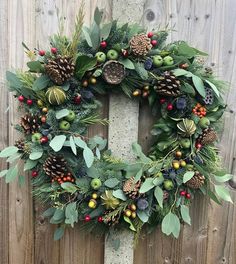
column 21, row 245
column 4, row 205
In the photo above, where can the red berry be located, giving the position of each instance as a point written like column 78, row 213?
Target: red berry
column 154, row 42
column 169, row 107
column 125, row 53
column 162, row 100
column 198, row 145
column 44, row 140
column 103, row 44
column 34, row 173
column 150, row 34
column 87, row 218
column 188, row 195
column 54, row 50
column 77, row 99
column 100, row 220
column 42, row 52
column 182, row 193
column 21, row 98
column 29, row 102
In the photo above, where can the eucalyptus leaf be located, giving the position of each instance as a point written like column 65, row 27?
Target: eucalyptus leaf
column 3, row 173
column 224, row 178
column 71, row 214
column 11, row 174
column 88, row 156
column 36, row 155
column 9, row 151
column 185, row 214
column 49, row 212
column 158, row 193
column 111, row 183
column 72, row 145
column 40, row 83
column 127, row 63
column 143, row 216
column 105, row 31
column 57, row 142
column 223, row 193
column 62, row 113
column 69, row 187
column 199, row 85
column 119, row 194
column 98, row 153
column 80, row 143
column 188, row 176
column 171, row 224
column 147, row 185
column 131, row 226
column 30, row 164
column 58, row 234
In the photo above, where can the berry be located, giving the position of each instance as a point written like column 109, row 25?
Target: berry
column 169, row 107
column 188, row 195
column 34, row 173
column 29, row 102
column 100, row 220
column 43, row 119
column 150, row 34
column 54, row 50
column 44, row 140
column 133, row 207
column 178, row 154
column 182, row 193
column 125, row 53
column 85, row 83
column 133, row 215
column 183, row 163
column 77, row 99
column 175, row 165
column 42, row 52
column 137, row 92
column 148, row 64
column 184, row 66
column 93, row 80
column 94, row 196
column 103, row 44
column 40, row 103
column 154, row 42
column 45, row 110
column 87, row 218
column 198, row 145
column 21, row 98
column 162, row 100
column 181, row 103
column 128, row 213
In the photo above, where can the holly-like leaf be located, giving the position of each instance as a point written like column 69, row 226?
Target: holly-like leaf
column 185, row 214
column 9, row 151
column 88, row 156
column 223, row 193
column 57, row 142
column 188, row 176
column 158, row 193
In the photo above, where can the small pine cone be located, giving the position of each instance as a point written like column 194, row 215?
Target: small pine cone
column 140, row 44
column 30, row 123
column 208, row 136
column 113, row 72
column 60, row 69
column 131, row 188
column 208, row 100
column 55, row 167
column 110, row 219
column 196, row 181
column 168, row 85
column 20, row 144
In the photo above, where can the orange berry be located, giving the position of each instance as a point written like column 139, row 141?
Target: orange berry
column 68, row 178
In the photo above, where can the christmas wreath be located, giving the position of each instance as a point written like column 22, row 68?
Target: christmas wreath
column 76, row 177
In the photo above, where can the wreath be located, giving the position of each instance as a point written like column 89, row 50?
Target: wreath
column 76, row 177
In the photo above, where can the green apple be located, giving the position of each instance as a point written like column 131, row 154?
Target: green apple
column 159, row 174
column 157, row 60
column 168, row 185
column 36, row 137
column 96, row 183
column 64, row 125
column 112, row 54
column 168, row 61
column 185, row 143
column 204, row 122
column 71, row 116
column 100, row 56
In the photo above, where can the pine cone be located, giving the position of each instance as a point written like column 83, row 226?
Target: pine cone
column 20, row 144
column 196, row 181
column 60, row 69
column 140, row 44
column 55, row 167
column 168, row 85
column 30, row 123
column 208, row 136
column 113, row 72
column 110, row 219
column 131, row 188
column 208, row 100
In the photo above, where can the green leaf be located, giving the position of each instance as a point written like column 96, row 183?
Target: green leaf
column 86, row 33
column 139, row 67
column 199, row 85
column 224, row 178
column 49, row 212
column 97, row 16
column 147, row 185
column 176, row 226
column 80, row 143
column 3, row 173
column 187, row 88
column 213, row 87
column 57, row 142
column 11, row 174
column 35, row 66
column 111, row 183
column 137, row 150
column 127, row 63
column 72, row 145
column 143, row 216
column 105, row 31
column 9, row 151
column 95, row 36
column 131, row 226
column 187, row 176
column 98, row 153
column 58, row 234
column 158, row 180
column 119, row 194
column 30, row 164
column 223, row 193
column 185, row 214
column 182, row 72
column 36, row 155
column 171, row 224
column 185, row 50
column 13, row 80
column 158, row 193
column 69, row 187
column 88, row 156
column 58, row 216
column 138, row 175
column 13, row 157
column 62, row 113
column 41, row 83
column 84, row 64
column 71, row 214
column 213, row 196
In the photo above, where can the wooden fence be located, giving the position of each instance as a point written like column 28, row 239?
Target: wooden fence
column 26, row 237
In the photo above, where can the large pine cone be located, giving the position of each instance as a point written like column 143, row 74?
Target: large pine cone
column 168, row 85
column 140, row 44
column 55, row 167
column 208, row 136
column 60, row 69
column 131, row 189
column 196, row 181
column 113, row 72
column 30, row 123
